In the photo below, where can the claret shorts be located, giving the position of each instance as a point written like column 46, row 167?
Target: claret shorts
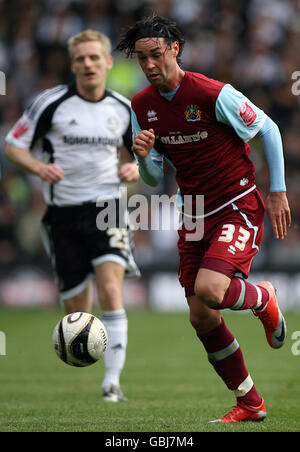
column 232, row 235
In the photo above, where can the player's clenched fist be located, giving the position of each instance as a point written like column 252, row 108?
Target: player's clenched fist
column 143, row 143
column 129, row 172
column 51, row 173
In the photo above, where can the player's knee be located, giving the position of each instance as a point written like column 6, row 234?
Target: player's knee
column 110, row 291
column 210, row 294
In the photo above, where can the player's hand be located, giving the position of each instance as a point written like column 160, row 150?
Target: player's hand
column 51, row 173
column 278, row 211
column 129, row 172
column 143, row 143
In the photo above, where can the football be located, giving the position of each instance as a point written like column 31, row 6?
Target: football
column 80, row 339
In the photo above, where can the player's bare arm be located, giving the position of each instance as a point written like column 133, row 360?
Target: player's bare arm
column 21, row 157
column 277, row 208
column 143, row 143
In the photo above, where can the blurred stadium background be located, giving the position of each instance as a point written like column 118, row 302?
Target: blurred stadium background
column 253, row 44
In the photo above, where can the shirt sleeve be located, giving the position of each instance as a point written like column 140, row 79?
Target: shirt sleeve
column 35, row 121
column 237, row 111
column 151, row 167
column 274, row 154
column 22, row 133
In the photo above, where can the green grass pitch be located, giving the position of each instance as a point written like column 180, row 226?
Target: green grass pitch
column 167, row 379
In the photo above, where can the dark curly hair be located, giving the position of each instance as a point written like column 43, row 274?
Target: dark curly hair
column 151, row 26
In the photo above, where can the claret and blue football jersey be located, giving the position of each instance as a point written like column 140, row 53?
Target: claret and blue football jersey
column 202, row 129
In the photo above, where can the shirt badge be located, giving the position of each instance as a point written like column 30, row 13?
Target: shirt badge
column 246, row 113
column 152, row 116
column 192, row 113
column 20, row 129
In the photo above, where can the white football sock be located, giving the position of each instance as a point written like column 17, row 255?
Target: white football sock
column 116, row 325
column 259, row 297
column 259, row 301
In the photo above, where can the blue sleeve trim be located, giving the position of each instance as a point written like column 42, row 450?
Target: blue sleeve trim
column 150, row 167
column 150, row 171
column 274, row 154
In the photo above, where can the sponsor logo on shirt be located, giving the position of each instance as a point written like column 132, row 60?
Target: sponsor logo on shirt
column 181, row 139
column 246, row 113
column 105, row 141
column 192, row 113
column 20, row 129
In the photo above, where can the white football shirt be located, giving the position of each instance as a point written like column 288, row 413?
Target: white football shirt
column 80, row 136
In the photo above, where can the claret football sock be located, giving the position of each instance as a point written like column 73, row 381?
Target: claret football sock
column 250, row 398
column 242, row 295
column 225, row 355
column 116, row 325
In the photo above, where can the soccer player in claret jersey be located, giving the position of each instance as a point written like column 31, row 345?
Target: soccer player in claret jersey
column 202, row 126
column 78, row 139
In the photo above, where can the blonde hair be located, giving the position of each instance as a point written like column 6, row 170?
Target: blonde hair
column 87, row 36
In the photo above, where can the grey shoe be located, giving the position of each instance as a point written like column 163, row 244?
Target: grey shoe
column 113, row 393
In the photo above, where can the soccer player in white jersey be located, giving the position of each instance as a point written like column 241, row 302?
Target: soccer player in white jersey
column 77, row 139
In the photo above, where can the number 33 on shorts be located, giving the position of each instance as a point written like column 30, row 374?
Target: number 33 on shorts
column 228, row 235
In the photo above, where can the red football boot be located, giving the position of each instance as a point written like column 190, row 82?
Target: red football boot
column 272, row 318
column 242, row 412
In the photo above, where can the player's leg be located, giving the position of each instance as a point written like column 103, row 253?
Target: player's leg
column 225, row 355
column 82, row 302
column 235, row 242
column 224, row 352
column 109, row 280
column 202, row 318
column 240, row 295
column 68, row 257
column 109, row 250
column 220, row 292
column 217, row 287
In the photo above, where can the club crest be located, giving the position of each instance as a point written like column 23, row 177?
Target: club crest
column 192, row 113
